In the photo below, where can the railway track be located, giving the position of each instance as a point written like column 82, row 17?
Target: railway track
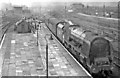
column 112, row 33
column 101, row 27
column 99, row 17
column 102, row 21
column 4, row 30
column 109, row 27
column 2, row 37
column 5, row 27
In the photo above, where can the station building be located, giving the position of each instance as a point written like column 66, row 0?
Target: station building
column 22, row 27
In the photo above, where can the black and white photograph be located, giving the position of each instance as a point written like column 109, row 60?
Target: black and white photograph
column 59, row 39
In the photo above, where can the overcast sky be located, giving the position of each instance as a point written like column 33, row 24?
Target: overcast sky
column 29, row 2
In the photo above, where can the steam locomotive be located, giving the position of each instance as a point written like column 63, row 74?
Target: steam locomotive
column 91, row 49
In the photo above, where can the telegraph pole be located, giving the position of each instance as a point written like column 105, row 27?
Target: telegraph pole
column 118, row 10
column 40, row 18
column 65, row 9
column 104, row 10
column 46, row 56
column 118, row 18
column 37, row 34
column 40, row 10
column 47, row 59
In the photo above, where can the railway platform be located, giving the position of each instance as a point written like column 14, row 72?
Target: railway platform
column 22, row 57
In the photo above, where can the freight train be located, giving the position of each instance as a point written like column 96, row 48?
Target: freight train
column 89, row 48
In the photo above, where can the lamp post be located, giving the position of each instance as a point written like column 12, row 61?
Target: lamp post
column 47, row 53
column 37, row 36
column 40, row 25
column 118, row 10
column 46, row 56
column 104, row 11
column 36, row 28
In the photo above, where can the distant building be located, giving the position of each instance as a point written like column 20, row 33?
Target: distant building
column 77, row 7
column 17, row 9
column 21, row 9
column 80, row 5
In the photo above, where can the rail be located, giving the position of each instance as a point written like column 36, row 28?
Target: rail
column 102, row 27
column 98, row 16
column 111, row 32
column 4, row 30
